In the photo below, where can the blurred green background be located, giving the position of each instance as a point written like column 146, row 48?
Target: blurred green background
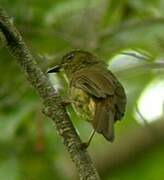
column 129, row 35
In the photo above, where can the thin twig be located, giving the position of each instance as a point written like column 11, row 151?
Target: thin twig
column 135, row 55
column 143, row 68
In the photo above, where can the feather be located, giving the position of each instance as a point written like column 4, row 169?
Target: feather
column 103, row 121
column 107, row 93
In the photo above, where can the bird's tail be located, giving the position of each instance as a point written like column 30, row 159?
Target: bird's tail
column 103, row 121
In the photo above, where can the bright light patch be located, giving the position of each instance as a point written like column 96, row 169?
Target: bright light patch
column 151, row 102
column 55, row 81
column 123, row 61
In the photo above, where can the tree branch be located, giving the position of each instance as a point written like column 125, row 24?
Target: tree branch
column 51, row 100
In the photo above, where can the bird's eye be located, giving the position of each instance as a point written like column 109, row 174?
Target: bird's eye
column 69, row 57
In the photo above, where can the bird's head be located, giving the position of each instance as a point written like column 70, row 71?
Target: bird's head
column 74, row 61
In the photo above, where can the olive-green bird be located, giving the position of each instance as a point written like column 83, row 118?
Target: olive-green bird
column 96, row 93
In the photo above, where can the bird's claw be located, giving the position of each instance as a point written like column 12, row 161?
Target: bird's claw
column 84, row 145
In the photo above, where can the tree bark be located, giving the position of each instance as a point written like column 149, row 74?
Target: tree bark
column 51, row 100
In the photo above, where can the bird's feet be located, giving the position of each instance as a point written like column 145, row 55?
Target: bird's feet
column 84, row 145
column 67, row 101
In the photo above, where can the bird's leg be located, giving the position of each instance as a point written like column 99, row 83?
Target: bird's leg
column 86, row 144
column 67, row 101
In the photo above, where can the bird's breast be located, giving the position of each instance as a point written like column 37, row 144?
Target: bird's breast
column 83, row 103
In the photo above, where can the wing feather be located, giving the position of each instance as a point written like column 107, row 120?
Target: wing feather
column 101, row 84
column 93, row 82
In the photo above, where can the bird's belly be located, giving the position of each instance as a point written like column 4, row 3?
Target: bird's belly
column 84, row 104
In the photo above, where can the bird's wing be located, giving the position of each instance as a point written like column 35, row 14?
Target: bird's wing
column 102, row 88
column 94, row 83
column 109, row 95
column 120, row 100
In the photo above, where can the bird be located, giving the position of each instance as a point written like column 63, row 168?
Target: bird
column 95, row 92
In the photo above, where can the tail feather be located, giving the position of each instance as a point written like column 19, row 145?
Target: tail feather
column 104, row 119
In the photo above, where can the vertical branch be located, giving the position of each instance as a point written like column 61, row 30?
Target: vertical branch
column 51, row 100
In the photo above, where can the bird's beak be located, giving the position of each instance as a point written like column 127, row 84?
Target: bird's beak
column 54, row 69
